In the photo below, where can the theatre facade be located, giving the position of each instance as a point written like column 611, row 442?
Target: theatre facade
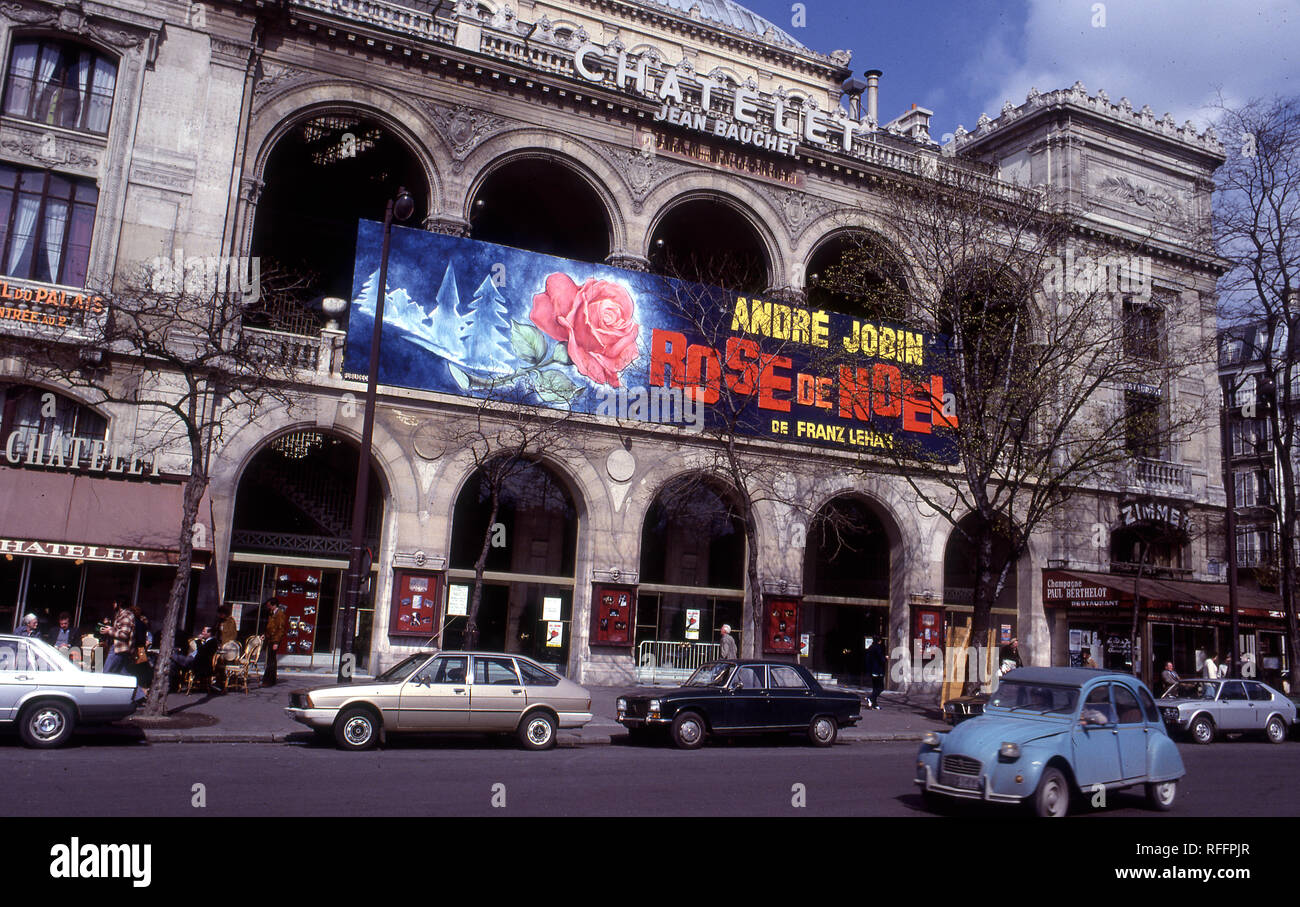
column 598, row 140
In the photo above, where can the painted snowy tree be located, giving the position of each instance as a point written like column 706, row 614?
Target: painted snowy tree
column 447, row 326
column 487, row 345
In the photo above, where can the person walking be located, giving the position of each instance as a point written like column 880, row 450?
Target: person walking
column 1210, row 667
column 122, row 633
column 277, row 627
column 728, row 642
column 876, row 667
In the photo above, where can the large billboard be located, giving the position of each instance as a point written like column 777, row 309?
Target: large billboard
column 492, row 322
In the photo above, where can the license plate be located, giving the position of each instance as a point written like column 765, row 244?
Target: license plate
column 964, row 782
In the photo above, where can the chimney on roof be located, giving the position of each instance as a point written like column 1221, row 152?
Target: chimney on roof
column 873, row 94
column 854, row 88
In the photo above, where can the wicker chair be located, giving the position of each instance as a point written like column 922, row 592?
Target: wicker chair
column 186, row 680
column 237, row 672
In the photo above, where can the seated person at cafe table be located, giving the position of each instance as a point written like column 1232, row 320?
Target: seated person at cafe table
column 200, row 660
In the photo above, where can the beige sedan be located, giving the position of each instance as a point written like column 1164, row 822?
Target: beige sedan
column 476, row 692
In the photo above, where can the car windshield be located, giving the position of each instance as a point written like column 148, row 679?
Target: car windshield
column 1035, row 697
column 403, row 669
column 1193, row 689
column 711, row 675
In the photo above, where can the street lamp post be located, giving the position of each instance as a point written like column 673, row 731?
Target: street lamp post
column 401, row 208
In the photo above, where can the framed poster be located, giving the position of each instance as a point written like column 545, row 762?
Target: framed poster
column 613, row 615
column 298, row 589
column 416, row 603
column 458, row 600
column 781, row 634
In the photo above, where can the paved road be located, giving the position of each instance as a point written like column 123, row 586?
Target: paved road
column 457, row 777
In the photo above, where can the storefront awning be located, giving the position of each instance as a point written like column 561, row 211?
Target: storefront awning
column 1083, row 590
column 52, row 514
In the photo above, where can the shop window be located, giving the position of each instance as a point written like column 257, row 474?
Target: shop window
column 33, row 411
column 59, row 83
column 46, row 221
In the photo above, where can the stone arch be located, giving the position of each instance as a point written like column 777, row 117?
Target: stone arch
column 730, row 192
column 530, row 142
column 277, row 117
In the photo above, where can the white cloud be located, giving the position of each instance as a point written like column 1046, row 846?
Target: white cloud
column 1171, row 54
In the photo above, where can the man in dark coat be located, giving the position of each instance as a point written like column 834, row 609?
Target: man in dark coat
column 877, row 665
column 277, row 627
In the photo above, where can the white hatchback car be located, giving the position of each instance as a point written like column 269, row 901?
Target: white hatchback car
column 46, row 696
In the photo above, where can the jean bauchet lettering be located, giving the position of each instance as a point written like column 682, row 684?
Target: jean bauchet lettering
column 75, row 860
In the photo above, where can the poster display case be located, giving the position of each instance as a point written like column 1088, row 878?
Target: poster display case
column 417, row 600
column 613, row 614
column 781, row 631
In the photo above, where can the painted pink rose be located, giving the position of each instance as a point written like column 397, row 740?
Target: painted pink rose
column 593, row 321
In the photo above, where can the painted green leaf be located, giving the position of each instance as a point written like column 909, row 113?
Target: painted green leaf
column 458, row 376
column 528, row 343
column 555, row 387
column 561, row 355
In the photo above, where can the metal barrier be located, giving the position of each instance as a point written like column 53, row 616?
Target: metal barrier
column 658, row 661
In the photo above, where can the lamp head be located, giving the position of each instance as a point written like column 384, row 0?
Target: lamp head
column 403, row 205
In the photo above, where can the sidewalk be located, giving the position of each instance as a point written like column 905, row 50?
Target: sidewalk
column 258, row 717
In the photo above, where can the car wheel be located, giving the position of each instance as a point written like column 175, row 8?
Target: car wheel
column 356, row 729
column 1275, row 730
column 688, row 731
column 1161, row 796
column 823, row 730
column 46, row 725
column 537, row 731
column 1202, row 730
column 1052, row 798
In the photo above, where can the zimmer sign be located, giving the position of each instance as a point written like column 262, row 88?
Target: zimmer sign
column 481, row 320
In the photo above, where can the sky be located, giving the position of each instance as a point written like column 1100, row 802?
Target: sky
column 961, row 59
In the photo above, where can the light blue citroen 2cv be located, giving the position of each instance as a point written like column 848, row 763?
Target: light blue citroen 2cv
column 1050, row 733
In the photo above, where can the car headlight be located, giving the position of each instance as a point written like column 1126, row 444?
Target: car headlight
column 1009, row 751
column 621, row 704
column 930, row 738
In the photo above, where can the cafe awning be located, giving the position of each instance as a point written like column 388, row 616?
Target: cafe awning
column 1082, row 589
column 53, row 514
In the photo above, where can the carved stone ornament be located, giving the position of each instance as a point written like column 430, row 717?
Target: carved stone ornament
column 462, row 127
column 26, row 15
column 1163, row 204
column 276, row 78
column 641, row 171
column 49, row 151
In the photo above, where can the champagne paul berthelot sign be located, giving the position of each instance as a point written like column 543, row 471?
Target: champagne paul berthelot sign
column 481, row 320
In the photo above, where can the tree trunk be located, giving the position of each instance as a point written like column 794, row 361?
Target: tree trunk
column 476, row 596
column 985, row 595
column 194, row 488
column 1143, row 548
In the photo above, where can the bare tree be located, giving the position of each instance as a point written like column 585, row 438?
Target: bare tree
column 173, row 345
column 1059, row 366
column 719, row 372
column 1257, row 230
column 506, row 436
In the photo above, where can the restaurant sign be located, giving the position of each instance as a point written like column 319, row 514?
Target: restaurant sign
column 1071, row 592
column 481, row 320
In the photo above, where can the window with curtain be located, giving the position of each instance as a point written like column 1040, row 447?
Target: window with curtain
column 46, row 220
column 60, row 83
column 25, row 410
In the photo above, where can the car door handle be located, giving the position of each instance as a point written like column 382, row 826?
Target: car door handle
column 516, row 692
column 458, row 690
column 22, row 677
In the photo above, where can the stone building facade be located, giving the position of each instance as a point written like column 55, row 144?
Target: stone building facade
column 249, row 129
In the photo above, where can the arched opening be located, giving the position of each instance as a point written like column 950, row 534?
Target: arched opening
column 527, row 596
column 542, row 206
column 846, row 586
column 291, row 539
column 692, row 577
column 854, row 273
column 959, row 581
column 323, row 176
column 707, row 241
